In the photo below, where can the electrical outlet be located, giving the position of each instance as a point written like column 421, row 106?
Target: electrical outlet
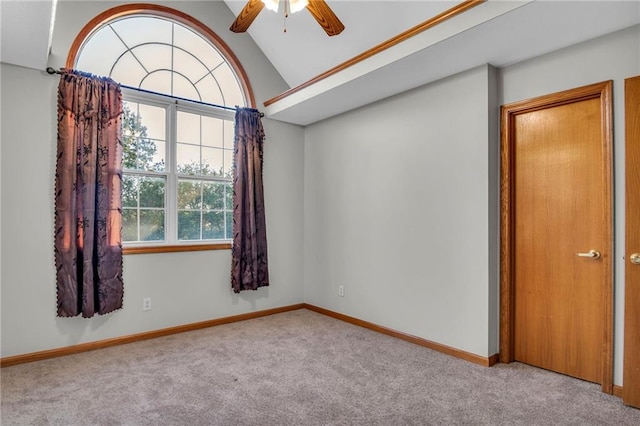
column 146, row 304
column 341, row 290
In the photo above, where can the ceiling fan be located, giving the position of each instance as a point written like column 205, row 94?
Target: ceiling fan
column 318, row 8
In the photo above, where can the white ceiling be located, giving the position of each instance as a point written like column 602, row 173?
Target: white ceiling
column 499, row 32
column 25, row 32
column 496, row 32
column 367, row 23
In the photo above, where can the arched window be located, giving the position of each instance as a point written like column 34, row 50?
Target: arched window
column 180, row 84
column 160, row 55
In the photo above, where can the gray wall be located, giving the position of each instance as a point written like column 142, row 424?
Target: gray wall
column 397, row 207
column 184, row 287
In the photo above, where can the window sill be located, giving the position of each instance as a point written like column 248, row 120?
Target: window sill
column 177, row 248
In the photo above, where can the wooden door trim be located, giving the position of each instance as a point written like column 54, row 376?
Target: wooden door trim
column 602, row 91
column 630, row 381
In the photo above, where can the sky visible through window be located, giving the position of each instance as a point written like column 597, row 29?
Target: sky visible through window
column 162, row 56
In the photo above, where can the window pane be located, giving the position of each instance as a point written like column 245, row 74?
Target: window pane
column 228, row 196
column 188, row 161
column 212, row 162
column 194, row 43
column 212, row 132
column 146, row 154
column 129, row 191
column 136, row 30
column 229, row 216
column 188, row 65
column 128, row 71
column 213, row 225
column 228, row 163
column 188, row 128
column 153, row 56
column 183, row 88
column 152, row 192
column 140, row 152
column 100, row 52
column 230, row 88
column 158, row 81
column 153, row 119
column 129, row 225
column 189, row 225
column 131, row 123
column 189, row 194
column 131, row 127
column 213, row 196
column 210, row 90
column 229, row 134
column 157, row 163
column 151, row 225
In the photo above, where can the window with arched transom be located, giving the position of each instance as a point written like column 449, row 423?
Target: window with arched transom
column 180, row 86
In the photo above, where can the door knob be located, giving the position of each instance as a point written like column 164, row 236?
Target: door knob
column 635, row 258
column 594, row 254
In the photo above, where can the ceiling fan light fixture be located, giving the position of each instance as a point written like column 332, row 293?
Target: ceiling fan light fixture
column 290, row 6
column 271, row 4
column 297, row 5
column 320, row 11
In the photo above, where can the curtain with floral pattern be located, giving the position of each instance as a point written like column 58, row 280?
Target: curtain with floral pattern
column 249, row 268
column 88, row 214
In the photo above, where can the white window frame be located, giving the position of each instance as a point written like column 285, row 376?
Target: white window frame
column 172, row 105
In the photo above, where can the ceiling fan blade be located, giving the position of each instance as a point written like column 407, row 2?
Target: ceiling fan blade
column 248, row 13
column 325, row 17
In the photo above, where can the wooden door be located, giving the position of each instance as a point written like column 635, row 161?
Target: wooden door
column 557, row 236
column 631, row 375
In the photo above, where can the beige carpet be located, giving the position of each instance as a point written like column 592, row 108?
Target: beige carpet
column 295, row 368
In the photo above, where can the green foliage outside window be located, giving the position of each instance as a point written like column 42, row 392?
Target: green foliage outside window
column 203, row 206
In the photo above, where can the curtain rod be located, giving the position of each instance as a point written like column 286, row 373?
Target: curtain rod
column 52, row 71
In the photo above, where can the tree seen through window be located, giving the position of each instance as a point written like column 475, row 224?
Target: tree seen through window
column 203, row 205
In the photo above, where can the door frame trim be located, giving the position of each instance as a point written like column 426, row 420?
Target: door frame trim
column 631, row 364
column 602, row 91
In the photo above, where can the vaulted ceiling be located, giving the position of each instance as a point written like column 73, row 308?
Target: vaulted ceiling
column 496, row 32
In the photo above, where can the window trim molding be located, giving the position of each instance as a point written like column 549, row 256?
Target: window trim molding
column 148, row 249
column 166, row 12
